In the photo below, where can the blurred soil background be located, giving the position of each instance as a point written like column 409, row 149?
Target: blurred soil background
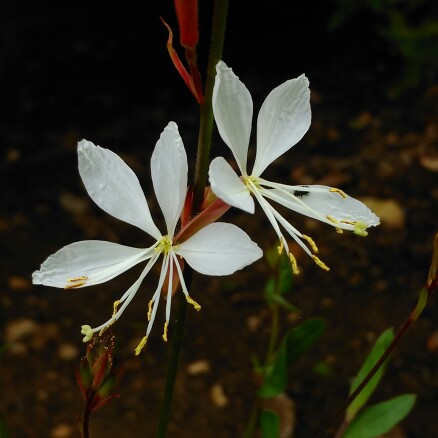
column 100, row 71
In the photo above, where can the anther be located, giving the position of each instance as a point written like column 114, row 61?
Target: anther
column 280, row 247
column 335, row 190
column 150, row 309
column 311, row 243
column 141, row 345
column 166, row 324
column 320, row 263
column 106, row 328
column 332, row 219
column 116, row 303
column 294, row 264
column 73, row 283
column 191, row 301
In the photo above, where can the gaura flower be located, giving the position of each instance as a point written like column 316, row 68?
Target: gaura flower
column 283, row 120
column 216, row 249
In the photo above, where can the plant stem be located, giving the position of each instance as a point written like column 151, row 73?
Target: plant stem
column 206, row 111
column 425, row 294
column 174, row 356
column 86, row 417
column 202, row 163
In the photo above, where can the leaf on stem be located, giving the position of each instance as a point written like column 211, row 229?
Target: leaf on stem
column 380, row 418
column 379, row 348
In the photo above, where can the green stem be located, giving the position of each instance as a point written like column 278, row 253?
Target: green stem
column 275, row 329
column 202, row 163
column 206, row 113
column 174, row 356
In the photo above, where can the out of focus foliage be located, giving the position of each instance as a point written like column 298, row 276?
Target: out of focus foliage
column 410, row 26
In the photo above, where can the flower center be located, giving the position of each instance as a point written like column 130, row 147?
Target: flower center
column 252, row 182
column 164, row 245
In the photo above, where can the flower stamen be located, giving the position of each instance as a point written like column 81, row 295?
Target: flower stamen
column 311, row 242
column 166, row 324
column 191, row 301
column 335, row 190
column 150, row 309
column 320, row 263
column 294, row 264
column 115, row 305
column 141, row 345
column 73, row 283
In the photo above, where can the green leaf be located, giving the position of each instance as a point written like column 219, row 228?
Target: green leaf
column 380, row 346
column 380, row 418
column 301, row 338
column 294, row 344
column 270, row 424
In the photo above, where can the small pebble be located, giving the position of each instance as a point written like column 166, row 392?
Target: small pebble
column 62, row 430
column 198, row 367
column 218, row 396
column 67, row 351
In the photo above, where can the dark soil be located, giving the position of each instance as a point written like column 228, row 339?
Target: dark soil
column 101, row 72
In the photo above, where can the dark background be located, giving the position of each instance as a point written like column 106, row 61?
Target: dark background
column 100, row 71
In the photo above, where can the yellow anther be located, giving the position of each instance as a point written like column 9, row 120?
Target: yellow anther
column 141, row 345
column 280, row 247
column 116, row 303
column 150, row 309
column 76, row 279
column 75, row 282
column 320, row 263
column 332, row 219
column 191, row 301
column 74, row 285
column 166, row 324
column 360, row 229
column 311, row 243
column 348, row 222
column 335, row 190
column 294, row 264
column 88, row 332
column 339, row 231
column 106, row 328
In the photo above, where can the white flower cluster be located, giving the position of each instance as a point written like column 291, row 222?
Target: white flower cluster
column 217, row 248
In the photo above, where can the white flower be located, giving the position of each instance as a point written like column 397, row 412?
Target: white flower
column 217, row 249
column 283, row 120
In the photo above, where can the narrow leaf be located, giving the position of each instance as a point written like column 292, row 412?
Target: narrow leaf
column 380, row 418
column 380, row 346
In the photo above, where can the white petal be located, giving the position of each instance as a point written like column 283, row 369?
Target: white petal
column 169, row 174
column 327, row 204
column 283, row 120
column 232, row 108
column 219, row 249
column 113, row 186
column 227, row 186
column 88, row 262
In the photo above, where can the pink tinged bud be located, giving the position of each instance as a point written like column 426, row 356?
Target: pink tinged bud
column 193, row 85
column 187, row 13
column 95, row 377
